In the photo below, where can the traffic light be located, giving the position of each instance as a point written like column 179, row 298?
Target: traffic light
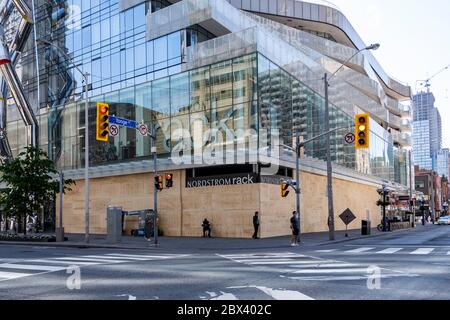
column 159, row 185
column 102, row 122
column 362, row 131
column 284, row 190
column 169, row 180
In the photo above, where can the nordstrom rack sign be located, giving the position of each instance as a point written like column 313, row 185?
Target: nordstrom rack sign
column 229, row 180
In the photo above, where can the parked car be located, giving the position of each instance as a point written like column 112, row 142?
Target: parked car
column 444, row 220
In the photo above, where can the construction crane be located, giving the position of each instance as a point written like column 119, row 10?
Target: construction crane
column 426, row 83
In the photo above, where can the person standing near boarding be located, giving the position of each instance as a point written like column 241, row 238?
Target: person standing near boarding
column 256, row 223
column 295, row 227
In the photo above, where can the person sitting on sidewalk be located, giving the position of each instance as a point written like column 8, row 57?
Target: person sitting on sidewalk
column 206, row 228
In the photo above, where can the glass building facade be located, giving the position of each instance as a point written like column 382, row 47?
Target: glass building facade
column 147, row 81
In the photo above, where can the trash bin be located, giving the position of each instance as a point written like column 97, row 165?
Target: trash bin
column 366, row 228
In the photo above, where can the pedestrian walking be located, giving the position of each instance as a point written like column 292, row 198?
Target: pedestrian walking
column 295, row 227
column 256, row 223
column 206, row 228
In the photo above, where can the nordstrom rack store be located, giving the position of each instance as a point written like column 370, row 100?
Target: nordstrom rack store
column 226, row 85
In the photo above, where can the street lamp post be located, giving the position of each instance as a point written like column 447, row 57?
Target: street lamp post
column 326, row 80
column 86, row 134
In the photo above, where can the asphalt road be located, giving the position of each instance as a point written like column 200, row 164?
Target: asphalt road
column 404, row 266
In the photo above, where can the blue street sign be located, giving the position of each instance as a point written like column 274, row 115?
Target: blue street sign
column 123, row 122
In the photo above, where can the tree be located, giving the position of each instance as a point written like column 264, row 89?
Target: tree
column 30, row 184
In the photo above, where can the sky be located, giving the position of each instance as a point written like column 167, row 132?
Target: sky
column 415, row 42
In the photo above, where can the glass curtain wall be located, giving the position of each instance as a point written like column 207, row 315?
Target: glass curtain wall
column 202, row 106
column 142, row 80
column 286, row 104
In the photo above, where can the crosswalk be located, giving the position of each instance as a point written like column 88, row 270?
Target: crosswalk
column 309, row 268
column 33, row 267
column 413, row 251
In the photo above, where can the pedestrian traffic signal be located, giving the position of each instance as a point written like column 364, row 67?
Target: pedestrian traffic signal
column 169, row 180
column 284, row 190
column 362, row 122
column 102, row 122
column 159, row 185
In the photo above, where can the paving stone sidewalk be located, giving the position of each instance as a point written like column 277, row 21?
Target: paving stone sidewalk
column 206, row 244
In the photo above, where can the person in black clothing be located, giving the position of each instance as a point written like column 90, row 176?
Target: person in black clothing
column 256, row 225
column 295, row 227
column 206, row 228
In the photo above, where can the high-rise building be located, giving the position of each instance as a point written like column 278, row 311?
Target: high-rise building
column 226, row 84
column 427, row 131
column 442, row 163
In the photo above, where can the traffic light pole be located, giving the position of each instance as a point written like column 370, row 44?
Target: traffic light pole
column 299, row 145
column 411, row 203
column 155, row 190
column 297, row 179
column 384, row 209
column 86, row 159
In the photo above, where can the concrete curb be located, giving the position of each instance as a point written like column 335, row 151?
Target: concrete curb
column 153, row 247
column 366, row 237
column 75, row 245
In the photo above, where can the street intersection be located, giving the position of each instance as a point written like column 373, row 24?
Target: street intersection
column 397, row 266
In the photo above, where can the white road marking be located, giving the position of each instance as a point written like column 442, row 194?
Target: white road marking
column 284, row 256
column 65, row 262
column 12, row 275
column 129, row 296
column 112, row 258
column 316, row 269
column 225, row 296
column 89, row 259
column 30, row 267
column 279, row 294
column 346, row 278
column 293, row 262
column 162, row 256
column 329, row 265
column 55, row 264
column 422, row 251
column 389, row 251
column 326, row 251
column 360, row 250
column 349, row 270
column 261, row 260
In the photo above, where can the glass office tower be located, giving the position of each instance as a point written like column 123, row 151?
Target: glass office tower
column 200, row 67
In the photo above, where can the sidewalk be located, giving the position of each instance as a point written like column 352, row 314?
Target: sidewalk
column 204, row 244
